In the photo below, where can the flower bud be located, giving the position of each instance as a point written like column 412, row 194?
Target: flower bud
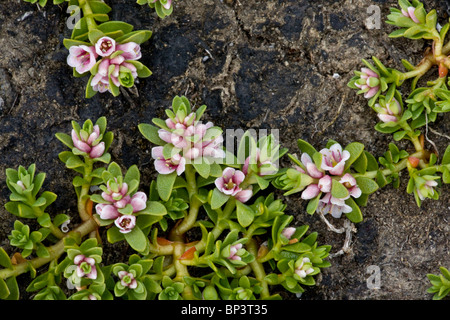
column 368, row 82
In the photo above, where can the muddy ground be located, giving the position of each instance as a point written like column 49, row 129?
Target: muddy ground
column 275, row 64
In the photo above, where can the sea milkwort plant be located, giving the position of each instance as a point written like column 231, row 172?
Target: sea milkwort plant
column 107, row 52
column 206, row 228
column 403, row 118
column 428, row 167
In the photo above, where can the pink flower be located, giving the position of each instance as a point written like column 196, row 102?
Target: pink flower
column 304, row 268
column 167, row 5
column 125, row 223
column 333, row 159
column 165, row 166
column 426, row 190
column 313, row 190
column 410, row 14
column 85, row 267
column 82, row 58
column 311, row 168
column 105, row 46
column 107, row 211
column 288, row 232
column 90, row 144
column 138, row 201
column 100, row 83
column 131, row 51
column 127, row 279
column 350, row 183
column 390, row 112
column 234, row 252
column 332, row 205
column 185, row 133
column 229, row 184
column 369, row 82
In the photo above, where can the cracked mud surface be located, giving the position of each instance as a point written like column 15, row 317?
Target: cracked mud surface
column 268, row 64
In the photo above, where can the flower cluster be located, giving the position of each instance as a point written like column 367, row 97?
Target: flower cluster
column 117, row 199
column 388, row 111
column 85, row 267
column 186, row 140
column 333, row 162
column 115, row 66
column 368, row 83
column 303, row 267
column 89, row 141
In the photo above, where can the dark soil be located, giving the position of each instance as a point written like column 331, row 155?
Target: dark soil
column 274, row 64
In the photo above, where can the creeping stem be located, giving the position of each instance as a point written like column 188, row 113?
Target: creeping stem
column 39, row 212
column 84, row 193
column 195, row 204
column 87, row 12
column 258, row 268
column 55, row 251
column 386, row 172
column 219, row 227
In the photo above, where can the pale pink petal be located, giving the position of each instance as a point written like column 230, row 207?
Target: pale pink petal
column 338, row 169
column 124, row 189
column 78, row 259
column 310, row 192
column 103, row 67
column 97, row 151
column 288, row 232
column 133, row 284
column 170, row 123
column 245, row 166
column 93, row 273
column 325, row 184
column 139, row 201
column 157, row 153
column 387, row 118
column 181, row 166
column 355, row 192
column 348, row 178
column 369, row 72
column 165, row 135
column 238, row 177
column 412, row 15
column 244, row 195
column 372, row 91
column 313, row 171
column 80, row 272
column 220, row 183
column 82, row 146
column 167, row 5
column 162, row 167
column 228, row 173
column 117, row 60
column 106, row 211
